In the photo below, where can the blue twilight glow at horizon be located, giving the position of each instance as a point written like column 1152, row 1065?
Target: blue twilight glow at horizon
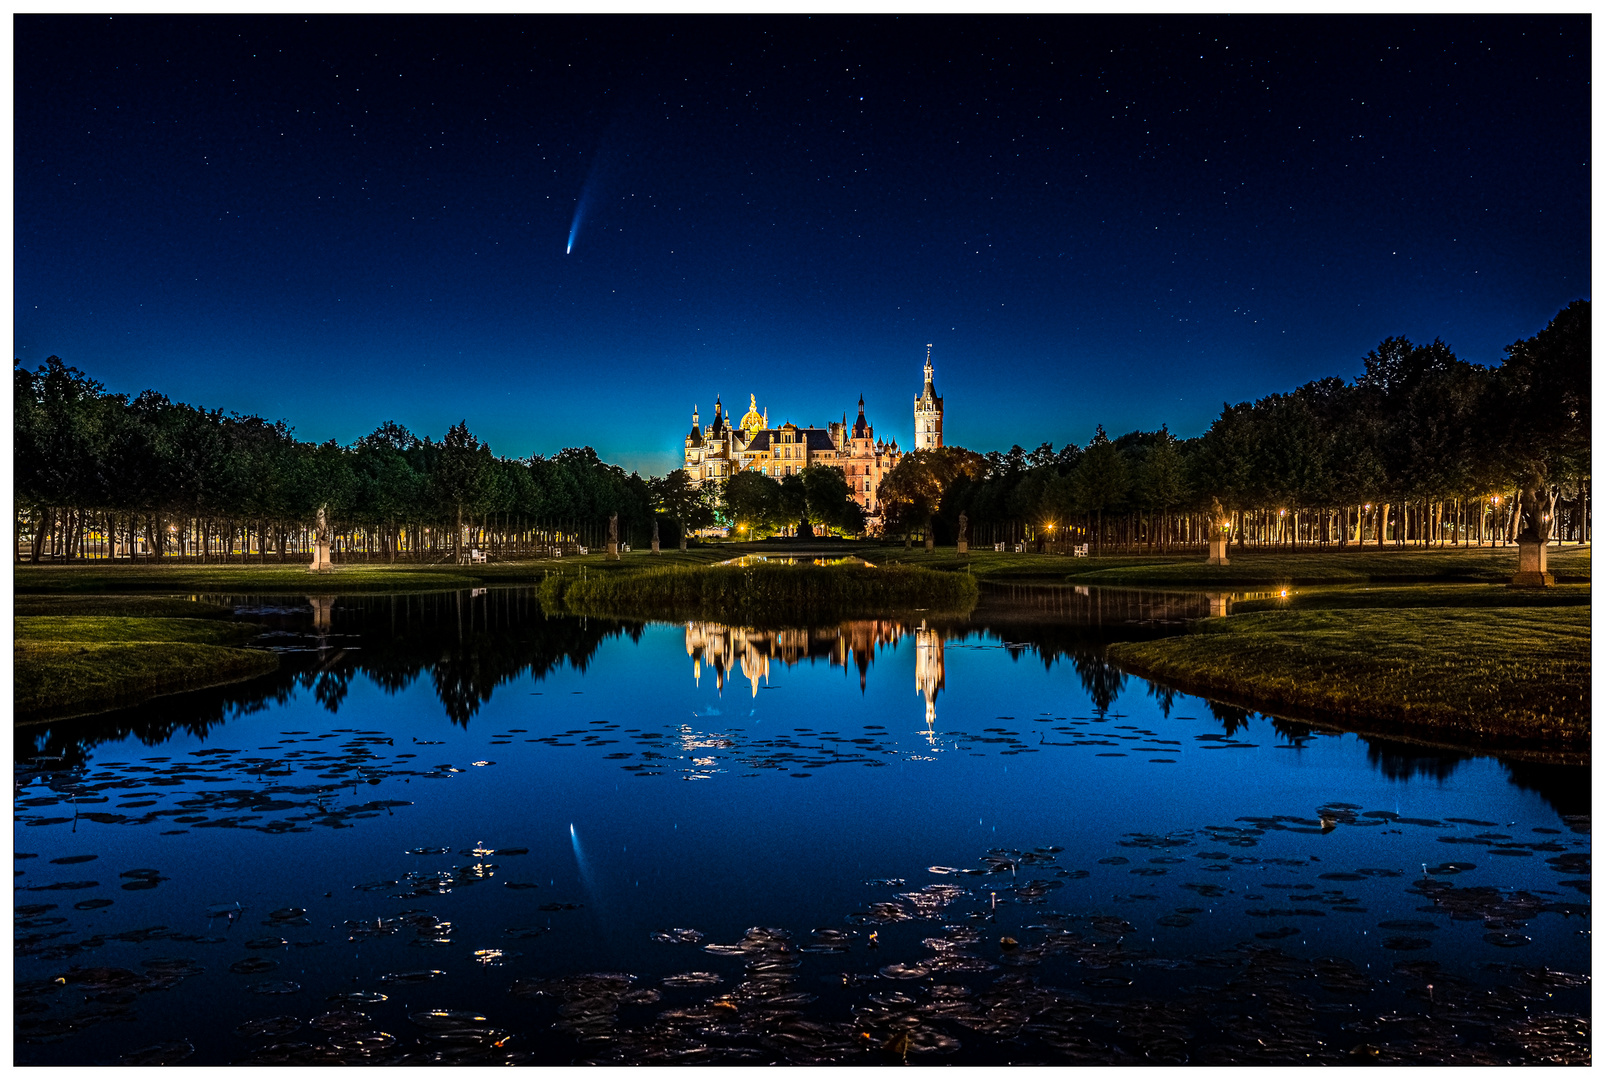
column 1127, row 221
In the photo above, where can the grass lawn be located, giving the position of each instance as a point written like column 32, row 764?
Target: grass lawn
column 1251, row 568
column 1501, row 673
column 761, row 594
column 1418, row 596
column 1332, row 567
column 71, row 665
column 141, row 607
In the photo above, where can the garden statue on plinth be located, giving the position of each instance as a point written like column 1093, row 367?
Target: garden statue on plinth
column 1219, row 526
column 613, row 536
column 320, row 543
column 964, row 533
column 654, row 536
column 1532, row 544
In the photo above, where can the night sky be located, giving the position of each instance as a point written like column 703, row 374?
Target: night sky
column 1126, row 221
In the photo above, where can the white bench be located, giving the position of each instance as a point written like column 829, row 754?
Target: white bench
column 475, row 555
column 1080, row 551
column 998, row 546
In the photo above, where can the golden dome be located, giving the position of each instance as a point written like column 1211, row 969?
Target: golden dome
column 753, row 422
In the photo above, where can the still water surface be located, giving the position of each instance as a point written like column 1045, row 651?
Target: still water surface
column 452, row 829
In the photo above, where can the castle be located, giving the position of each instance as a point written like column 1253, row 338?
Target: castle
column 721, row 449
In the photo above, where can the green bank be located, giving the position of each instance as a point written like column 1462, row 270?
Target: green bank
column 75, row 664
column 1467, row 672
column 763, row 594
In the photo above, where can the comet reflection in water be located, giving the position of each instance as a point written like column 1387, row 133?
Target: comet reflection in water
column 587, row 879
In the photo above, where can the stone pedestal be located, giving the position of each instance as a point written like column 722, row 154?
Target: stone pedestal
column 320, row 557
column 612, row 549
column 930, row 542
column 964, row 547
column 322, row 612
column 1219, row 603
column 1217, row 551
column 1532, row 567
column 654, row 545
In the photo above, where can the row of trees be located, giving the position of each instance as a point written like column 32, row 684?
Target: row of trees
column 1422, row 447
column 101, row 474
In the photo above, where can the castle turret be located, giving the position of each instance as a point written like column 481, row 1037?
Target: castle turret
column 927, row 412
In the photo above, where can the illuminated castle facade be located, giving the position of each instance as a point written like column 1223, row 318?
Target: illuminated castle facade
column 719, row 450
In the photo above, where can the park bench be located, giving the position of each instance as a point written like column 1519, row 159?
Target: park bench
column 475, row 555
column 1080, row 551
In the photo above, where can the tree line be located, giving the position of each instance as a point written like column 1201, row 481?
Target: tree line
column 1422, row 447
column 102, row 475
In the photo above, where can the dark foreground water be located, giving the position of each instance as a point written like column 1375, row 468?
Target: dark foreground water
column 453, row 830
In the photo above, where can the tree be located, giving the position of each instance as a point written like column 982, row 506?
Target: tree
column 752, row 501
column 1100, row 480
column 463, row 479
column 1161, row 480
column 830, row 499
column 913, row 491
column 792, row 505
column 690, row 507
column 1543, row 413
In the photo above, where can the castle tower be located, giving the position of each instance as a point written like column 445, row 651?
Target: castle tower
column 927, row 412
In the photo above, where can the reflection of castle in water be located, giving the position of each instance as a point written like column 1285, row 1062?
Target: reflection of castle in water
column 728, row 648
column 930, row 670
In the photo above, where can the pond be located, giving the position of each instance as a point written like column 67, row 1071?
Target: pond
column 454, row 830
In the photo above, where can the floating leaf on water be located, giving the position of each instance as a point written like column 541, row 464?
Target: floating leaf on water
column 905, row 971
column 218, row 911
column 511, row 851
column 678, row 936
column 271, row 1026
column 1407, row 944
column 525, row 931
column 85, row 905
column 446, row 1018
column 341, row 1020
column 170, row 1053
column 1279, row 932
column 252, row 965
column 411, row 976
column 287, row 914
column 427, row 851
column 519, row 885
column 284, row 987
column 488, row 957
column 266, row 943
column 1407, row 924
column 375, row 886
column 1174, row 920
column 68, row 860
column 359, row 997
column 693, row 978
column 560, row 907
column 1507, row 940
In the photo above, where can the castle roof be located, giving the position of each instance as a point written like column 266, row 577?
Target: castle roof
column 861, row 428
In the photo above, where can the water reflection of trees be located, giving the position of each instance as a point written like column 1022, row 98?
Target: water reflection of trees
column 471, row 643
column 468, row 643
